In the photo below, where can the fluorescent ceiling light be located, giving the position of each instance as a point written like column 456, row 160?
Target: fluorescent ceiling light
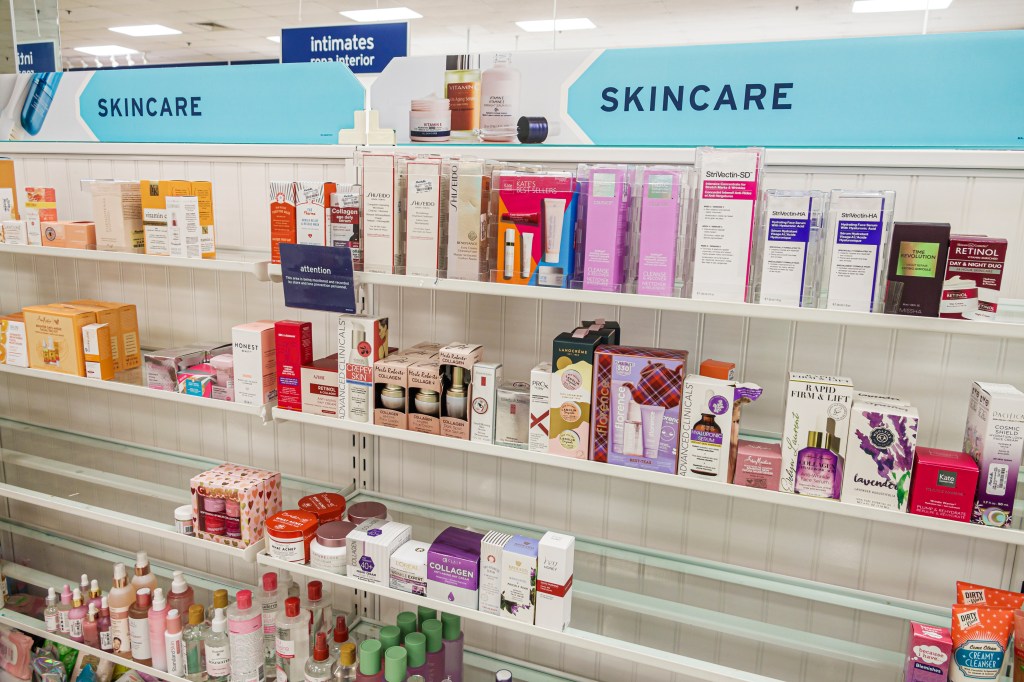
column 865, row 6
column 556, row 25
column 385, row 14
column 106, row 50
column 274, row 39
column 146, row 30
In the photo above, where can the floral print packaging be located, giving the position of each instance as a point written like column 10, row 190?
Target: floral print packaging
column 880, row 455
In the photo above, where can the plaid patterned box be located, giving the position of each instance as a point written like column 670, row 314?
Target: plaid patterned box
column 637, row 396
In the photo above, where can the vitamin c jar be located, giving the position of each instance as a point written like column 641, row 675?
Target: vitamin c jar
column 430, row 120
column 289, row 534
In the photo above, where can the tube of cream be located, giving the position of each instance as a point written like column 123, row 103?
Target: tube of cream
column 554, row 212
column 526, row 255
column 980, row 636
column 622, row 396
column 510, row 251
column 969, row 593
column 652, row 417
column 1018, row 646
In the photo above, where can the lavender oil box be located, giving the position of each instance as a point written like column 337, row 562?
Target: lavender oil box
column 880, row 455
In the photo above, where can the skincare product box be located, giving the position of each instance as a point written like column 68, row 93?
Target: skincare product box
column 661, row 198
column 457, row 361
column 929, row 652
column 312, row 205
column 994, row 437
column 8, row 191
column 813, row 402
column 99, row 358
column 468, row 190
column 572, row 390
column 117, row 212
column 709, row 426
column 197, row 381
column 202, row 190
column 880, row 456
column 718, row 369
column 879, row 398
column 184, row 229
column 486, row 379
column 40, row 207
column 253, row 349
column 728, row 186
column 123, row 319
column 156, row 231
column 555, row 555
column 636, row 404
column 380, row 212
column 787, row 259
column 974, row 276
column 14, row 232
column 163, row 366
column 609, row 329
column 491, row 549
column 917, row 268
column 519, row 578
column 423, row 209
column 343, row 221
column 391, row 388
column 13, row 340
column 320, row 381
column 512, row 415
column 535, row 227
column 231, row 503
column 362, row 341
column 293, row 349
column 856, row 249
column 425, row 396
column 605, row 219
column 540, row 397
column 409, row 568
column 224, row 377
column 80, row 234
column 54, row 337
column 758, row 465
column 944, row 484
column 282, row 217
column 453, row 567
column 370, row 547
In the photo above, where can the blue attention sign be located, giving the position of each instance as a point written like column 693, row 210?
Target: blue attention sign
column 364, row 48
column 36, row 57
column 318, row 277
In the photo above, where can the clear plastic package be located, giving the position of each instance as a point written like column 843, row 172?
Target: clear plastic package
column 602, row 230
column 788, row 248
column 465, row 243
column 383, row 240
column 856, row 251
column 661, row 212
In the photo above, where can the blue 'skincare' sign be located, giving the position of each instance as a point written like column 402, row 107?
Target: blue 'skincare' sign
column 36, row 57
column 364, row 48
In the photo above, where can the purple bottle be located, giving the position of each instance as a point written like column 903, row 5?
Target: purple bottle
column 432, row 629
column 416, row 647
column 819, row 468
column 451, row 629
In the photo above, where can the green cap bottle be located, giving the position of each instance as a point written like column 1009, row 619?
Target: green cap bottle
column 452, row 626
column 432, row 631
column 406, row 623
column 395, row 664
column 416, row 647
column 424, row 613
column 390, row 636
column 369, row 657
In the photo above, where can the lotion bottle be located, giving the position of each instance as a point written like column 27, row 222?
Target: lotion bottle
column 174, row 645
column 182, row 595
column 138, row 628
column 120, row 600
column 76, row 617
column 157, row 628
column 499, row 101
column 245, row 634
column 143, row 575
column 218, row 650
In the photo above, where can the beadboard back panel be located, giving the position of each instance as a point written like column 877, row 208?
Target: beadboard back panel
column 976, row 192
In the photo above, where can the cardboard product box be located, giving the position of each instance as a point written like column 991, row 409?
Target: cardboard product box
column 54, row 336
column 253, row 350
column 609, row 328
column 453, row 567
column 409, row 568
column 13, row 340
column 370, row 547
column 96, row 345
column 124, row 325
column 257, row 492
column 813, row 400
column 312, row 209
column 423, row 211
column 202, row 190
column 14, row 232
column 224, row 376
column 457, row 360
column 572, row 390
column 974, row 277
column 80, row 234
column 425, row 396
column 540, row 399
column 282, row 217
column 491, row 548
column 320, row 387
column 40, row 206
column 994, row 437
column 117, row 212
column 468, row 190
column 381, row 216
column 155, row 222
column 293, row 349
column 391, row 389
column 880, row 459
column 944, row 484
column 487, row 377
column 555, row 562
column 709, row 426
column 163, row 366
column 917, row 263
column 185, row 232
column 8, row 191
column 362, row 341
column 518, row 578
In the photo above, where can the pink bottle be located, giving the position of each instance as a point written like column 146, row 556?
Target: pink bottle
column 157, row 628
column 182, row 595
column 432, row 629
column 416, row 647
column 103, row 625
column 63, row 609
column 76, row 617
column 91, row 630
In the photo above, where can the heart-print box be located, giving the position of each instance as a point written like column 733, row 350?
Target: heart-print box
column 231, row 503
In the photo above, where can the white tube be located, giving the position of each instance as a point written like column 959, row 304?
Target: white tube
column 633, row 439
column 621, row 397
column 652, row 417
column 527, row 254
column 510, row 251
column 554, row 212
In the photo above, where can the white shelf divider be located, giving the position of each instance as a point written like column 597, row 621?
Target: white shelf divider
column 1007, row 536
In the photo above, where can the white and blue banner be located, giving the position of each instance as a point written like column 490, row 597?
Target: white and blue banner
column 935, row 91
column 364, row 48
column 36, row 57
column 268, row 104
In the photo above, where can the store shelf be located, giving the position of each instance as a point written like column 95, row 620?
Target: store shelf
column 251, row 263
column 130, row 383
column 1008, row 536
column 207, row 152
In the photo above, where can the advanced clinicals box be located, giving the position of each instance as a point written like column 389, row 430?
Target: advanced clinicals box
column 856, row 250
column 362, row 341
column 787, row 261
column 994, row 437
column 729, row 183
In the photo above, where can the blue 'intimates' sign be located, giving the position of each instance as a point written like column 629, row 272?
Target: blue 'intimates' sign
column 364, row 48
column 318, row 277
column 36, row 57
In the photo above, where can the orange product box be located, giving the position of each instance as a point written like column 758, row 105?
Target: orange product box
column 8, row 191
column 79, row 234
column 13, row 350
column 123, row 319
column 203, row 190
column 54, row 336
column 96, row 346
column 282, row 217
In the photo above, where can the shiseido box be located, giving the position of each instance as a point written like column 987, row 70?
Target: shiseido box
column 293, row 349
column 917, row 260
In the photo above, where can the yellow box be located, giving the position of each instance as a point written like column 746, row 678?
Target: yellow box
column 154, row 217
column 124, row 328
column 8, row 191
column 13, row 350
column 96, row 346
column 203, row 190
column 54, row 335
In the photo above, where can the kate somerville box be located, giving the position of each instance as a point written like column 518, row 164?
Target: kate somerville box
column 917, row 260
column 880, row 458
column 453, row 567
column 813, row 400
column 637, row 397
column 994, row 437
column 944, row 484
column 252, row 346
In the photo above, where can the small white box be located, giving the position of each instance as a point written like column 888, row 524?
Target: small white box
column 994, row 437
column 486, row 379
column 423, row 217
column 117, row 212
column 13, row 341
column 311, row 206
column 380, row 212
column 409, row 568
column 813, row 399
column 518, row 573
column 14, row 232
column 252, row 350
column 490, row 571
column 555, row 554
column 540, row 400
column 183, row 226
column 370, row 547
column 362, row 341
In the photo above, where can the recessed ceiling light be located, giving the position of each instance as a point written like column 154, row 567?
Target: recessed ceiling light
column 146, row 30
column 382, row 14
column 274, row 39
column 865, row 6
column 106, row 50
column 556, row 25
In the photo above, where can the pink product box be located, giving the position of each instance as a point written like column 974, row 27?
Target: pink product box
column 943, row 484
column 758, row 465
column 606, row 223
column 197, row 380
column 928, row 652
column 636, row 404
column 231, row 503
column 661, row 191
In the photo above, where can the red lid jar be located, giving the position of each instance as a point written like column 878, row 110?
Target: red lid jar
column 289, row 534
column 327, row 506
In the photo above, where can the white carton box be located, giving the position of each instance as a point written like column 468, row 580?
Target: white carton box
column 409, row 568
column 540, row 400
column 490, row 571
column 370, row 547
column 311, row 213
column 423, row 217
column 555, row 554
column 380, row 212
column 362, row 341
column 184, row 228
column 994, row 437
column 813, row 400
column 518, row 575
column 486, row 379
column 252, row 350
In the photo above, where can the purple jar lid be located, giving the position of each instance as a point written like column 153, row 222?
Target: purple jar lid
column 333, row 534
column 361, row 511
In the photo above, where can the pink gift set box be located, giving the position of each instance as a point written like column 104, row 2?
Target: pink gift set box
column 231, row 503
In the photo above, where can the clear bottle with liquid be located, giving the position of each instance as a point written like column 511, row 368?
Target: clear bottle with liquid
column 292, row 641
column 245, row 632
column 270, row 605
column 345, row 665
column 194, row 638
column 319, row 666
column 50, row 613
column 462, row 90
column 218, row 649
column 318, row 608
column 218, row 601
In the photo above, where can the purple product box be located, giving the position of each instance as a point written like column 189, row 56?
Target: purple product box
column 660, row 206
column 606, row 230
column 637, row 398
column 453, row 567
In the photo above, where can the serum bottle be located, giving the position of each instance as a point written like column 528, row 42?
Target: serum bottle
column 499, row 105
column 453, row 643
column 218, row 650
column 76, row 617
column 462, row 90
column 91, row 630
column 103, row 625
column 50, row 614
column 63, row 608
column 193, row 637
column 819, row 468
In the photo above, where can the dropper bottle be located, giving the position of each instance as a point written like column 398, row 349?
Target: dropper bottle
column 51, row 613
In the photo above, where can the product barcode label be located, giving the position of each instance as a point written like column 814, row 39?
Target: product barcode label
column 997, row 475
